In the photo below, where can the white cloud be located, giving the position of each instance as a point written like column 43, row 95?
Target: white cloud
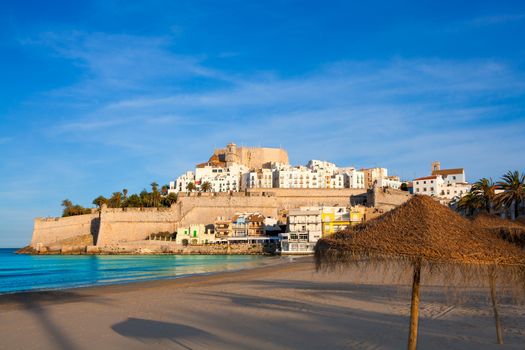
column 356, row 112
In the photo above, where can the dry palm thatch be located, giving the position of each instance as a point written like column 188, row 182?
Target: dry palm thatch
column 423, row 232
column 512, row 231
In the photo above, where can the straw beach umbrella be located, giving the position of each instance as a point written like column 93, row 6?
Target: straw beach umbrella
column 511, row 231
column 423, row 233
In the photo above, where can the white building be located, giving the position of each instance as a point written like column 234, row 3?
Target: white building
column 390, row 181
column 428, row 185
column 230, row 176
column 450, row 176
column 296, row 177
column 220, row 178
column 445, row 184
column 180, row 185
column 353, row 178
column 303, row 232
column 194, row 234
column 261, row 178
column 372, row 176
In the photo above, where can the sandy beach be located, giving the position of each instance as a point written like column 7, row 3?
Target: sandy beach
column 285, row 306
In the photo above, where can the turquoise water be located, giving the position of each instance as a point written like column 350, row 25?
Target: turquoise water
column 44, row 272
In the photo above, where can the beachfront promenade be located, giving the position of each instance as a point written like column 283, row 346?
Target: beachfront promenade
column 291, row 306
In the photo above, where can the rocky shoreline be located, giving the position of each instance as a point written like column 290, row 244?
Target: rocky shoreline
column 148, row 248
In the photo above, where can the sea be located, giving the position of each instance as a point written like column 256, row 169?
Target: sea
column 24, row 273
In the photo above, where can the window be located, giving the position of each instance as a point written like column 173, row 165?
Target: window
column 425, row 182
column 424, row 189
column 431, row 189
column 453, row 177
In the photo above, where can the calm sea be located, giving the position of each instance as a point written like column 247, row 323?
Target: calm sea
column 44, row 272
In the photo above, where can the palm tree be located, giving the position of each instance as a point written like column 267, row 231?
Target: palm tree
column 513, row 185
column 206, row 186
column 125, row 193
column 99, row 201
column 145, row 198
column 116, row 200
column 483, row 193
column 66, row 203
column 154, row 186
column 155, row 194
column 469, row 203
column 190, row 187
column 164, row 190
column 169, row 199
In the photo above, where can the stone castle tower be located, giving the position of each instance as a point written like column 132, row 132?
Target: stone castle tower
column 436, row 166
column 231, row 156
column 251, row 157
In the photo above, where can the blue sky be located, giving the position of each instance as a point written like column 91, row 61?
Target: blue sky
column 97, row 96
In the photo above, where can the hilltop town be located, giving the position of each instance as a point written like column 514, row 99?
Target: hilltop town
column 245, row 200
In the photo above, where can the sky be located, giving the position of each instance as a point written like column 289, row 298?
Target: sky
column 97, row 96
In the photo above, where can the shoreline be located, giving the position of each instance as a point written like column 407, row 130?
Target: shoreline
column 155, row 282
column 285, row 305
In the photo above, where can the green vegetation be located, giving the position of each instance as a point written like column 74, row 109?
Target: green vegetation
column 191, row 187
column 71, row 209
column 206, row 186
column 145, row 199
column 484, row 196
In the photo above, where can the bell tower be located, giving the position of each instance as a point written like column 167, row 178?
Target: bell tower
column 436, row 166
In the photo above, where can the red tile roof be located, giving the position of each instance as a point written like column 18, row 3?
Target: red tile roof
column 446, row 172
column 426, row 178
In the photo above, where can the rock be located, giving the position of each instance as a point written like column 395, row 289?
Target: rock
column 92, row 249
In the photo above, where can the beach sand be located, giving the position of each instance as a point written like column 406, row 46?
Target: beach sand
column 285, row 306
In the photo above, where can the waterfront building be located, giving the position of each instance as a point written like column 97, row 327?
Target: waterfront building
column 194, row 235
column 222, row 227
column 247, row 224
column 271, row 227
column 303, row 232
column 335, row 219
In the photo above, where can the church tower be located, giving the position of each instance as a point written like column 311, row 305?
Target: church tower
column 436, row 166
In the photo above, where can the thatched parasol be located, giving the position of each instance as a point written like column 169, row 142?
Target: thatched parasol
column 512, row 231
column 422, row 232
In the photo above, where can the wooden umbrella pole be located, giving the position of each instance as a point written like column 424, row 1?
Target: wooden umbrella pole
column 414, row 306
column 492, row 282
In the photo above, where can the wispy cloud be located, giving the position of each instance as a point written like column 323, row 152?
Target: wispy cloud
column 370, row 110
column 4, row 140
column 496, row 19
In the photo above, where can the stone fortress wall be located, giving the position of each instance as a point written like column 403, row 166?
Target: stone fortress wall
column 48, row 231
column 120, row 226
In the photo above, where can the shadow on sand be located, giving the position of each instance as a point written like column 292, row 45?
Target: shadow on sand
column 35, row 302
column 151, row 331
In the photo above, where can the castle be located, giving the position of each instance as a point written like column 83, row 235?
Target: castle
column 117, row 230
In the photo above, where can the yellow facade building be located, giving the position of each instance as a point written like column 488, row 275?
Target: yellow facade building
column 335, row 219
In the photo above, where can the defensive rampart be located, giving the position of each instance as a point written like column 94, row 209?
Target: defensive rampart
column 118, row 226
column 48, row 231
